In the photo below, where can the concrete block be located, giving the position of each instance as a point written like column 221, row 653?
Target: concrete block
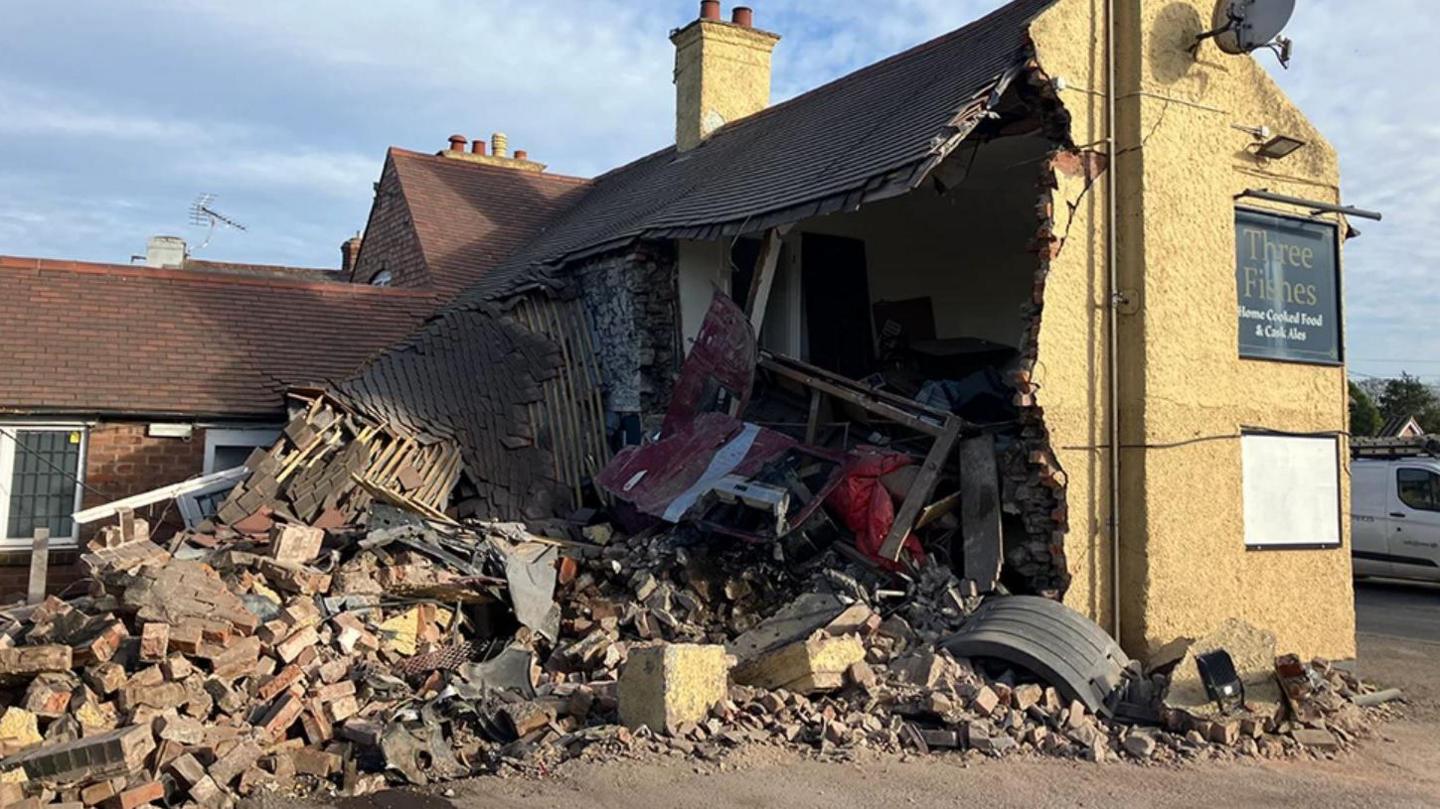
column 667, row 684
column 812, row 665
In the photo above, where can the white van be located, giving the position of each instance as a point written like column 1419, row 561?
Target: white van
column 1395, row 517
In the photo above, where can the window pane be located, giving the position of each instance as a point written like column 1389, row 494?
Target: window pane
column 42, row 482
column 227, row 457
column 1418, row 489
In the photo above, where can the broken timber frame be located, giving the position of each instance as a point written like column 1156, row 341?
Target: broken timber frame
column 943, row 426
column 764, row 277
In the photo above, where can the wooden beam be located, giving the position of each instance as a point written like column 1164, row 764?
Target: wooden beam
column 920, row 490
column 854, row 395
column 39, row 566
column 812, row 422
column 980, row 511
column 764, row 278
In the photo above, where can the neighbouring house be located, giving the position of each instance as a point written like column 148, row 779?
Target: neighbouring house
column 1163, row 470
column 123, row 378
column 1400, row 427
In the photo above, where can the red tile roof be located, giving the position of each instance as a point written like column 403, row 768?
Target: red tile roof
column 103, row 339
column 266, row 270
column 469, row 216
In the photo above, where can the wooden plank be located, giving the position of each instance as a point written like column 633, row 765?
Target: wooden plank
column 980, row 511
column 865, row 400
column 39, row 566
column 921, row 490
column 780, row 361
column 764, row 278
column 812, row 421
column 937, row 509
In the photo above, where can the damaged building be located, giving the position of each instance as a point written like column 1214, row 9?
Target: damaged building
column 904, row 414
column 931, row 228
column 924, row 254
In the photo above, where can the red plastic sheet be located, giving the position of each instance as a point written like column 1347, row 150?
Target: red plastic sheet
column 864, row 505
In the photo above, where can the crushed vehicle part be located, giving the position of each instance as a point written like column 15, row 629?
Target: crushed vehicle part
column 1051, row 641
column 722, row 359
column 507, row 671
column 676, row 477
column 530, row 571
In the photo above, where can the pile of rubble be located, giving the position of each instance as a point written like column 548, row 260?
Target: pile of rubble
column 409, row 651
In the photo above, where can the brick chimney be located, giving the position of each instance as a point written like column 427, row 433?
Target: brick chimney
column 722, row 72
column 349, row 252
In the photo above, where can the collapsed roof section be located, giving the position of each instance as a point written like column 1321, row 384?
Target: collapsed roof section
column 514, row 391
column 104, row 339
column 870, row 135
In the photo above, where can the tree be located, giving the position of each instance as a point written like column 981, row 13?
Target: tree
column 1364, row 415
column 1407, row 396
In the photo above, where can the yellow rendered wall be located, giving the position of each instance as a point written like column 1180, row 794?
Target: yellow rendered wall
column 1181, row 162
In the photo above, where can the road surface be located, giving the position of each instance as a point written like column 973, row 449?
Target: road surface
column 1398, row 609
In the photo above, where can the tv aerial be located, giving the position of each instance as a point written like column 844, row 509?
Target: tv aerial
column 1245, row 26
column 203, row 214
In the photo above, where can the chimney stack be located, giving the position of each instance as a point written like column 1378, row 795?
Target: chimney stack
column 349, row 252
column 499, row 145
column 722, row 72
column 165, row 251
column 457, row 143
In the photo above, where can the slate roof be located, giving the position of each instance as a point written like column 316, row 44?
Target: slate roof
column 469, row 216
column 103, row 339
column 870, row 134
column 474, row 377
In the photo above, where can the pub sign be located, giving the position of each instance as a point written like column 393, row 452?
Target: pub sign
column 1288, row 287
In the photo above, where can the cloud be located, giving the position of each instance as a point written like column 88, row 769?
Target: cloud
column 112, row 121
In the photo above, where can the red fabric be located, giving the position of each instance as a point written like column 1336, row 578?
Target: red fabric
column 865, row 506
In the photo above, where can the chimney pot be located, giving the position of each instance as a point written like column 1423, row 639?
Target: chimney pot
column 457, row 143
column 743, row 16
column 521, row 154
column 477, row 147
column 709, row 9
column 499, row 145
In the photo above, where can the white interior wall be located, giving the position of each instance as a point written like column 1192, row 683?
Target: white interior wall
column 703, row 267
column 968, row 250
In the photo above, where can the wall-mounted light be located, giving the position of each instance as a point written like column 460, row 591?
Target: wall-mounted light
column 1278, row 147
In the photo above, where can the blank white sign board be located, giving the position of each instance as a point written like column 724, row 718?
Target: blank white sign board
column 1292, row 491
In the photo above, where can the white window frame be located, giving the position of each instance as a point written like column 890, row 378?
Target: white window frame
column 258, row 435
column 7, row 467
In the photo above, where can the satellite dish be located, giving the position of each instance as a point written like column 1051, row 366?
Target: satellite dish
column 1245, row 26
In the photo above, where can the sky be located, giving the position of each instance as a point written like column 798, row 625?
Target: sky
column 115, row 116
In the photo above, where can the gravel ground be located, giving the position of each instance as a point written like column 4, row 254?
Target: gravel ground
column 1400, row 769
